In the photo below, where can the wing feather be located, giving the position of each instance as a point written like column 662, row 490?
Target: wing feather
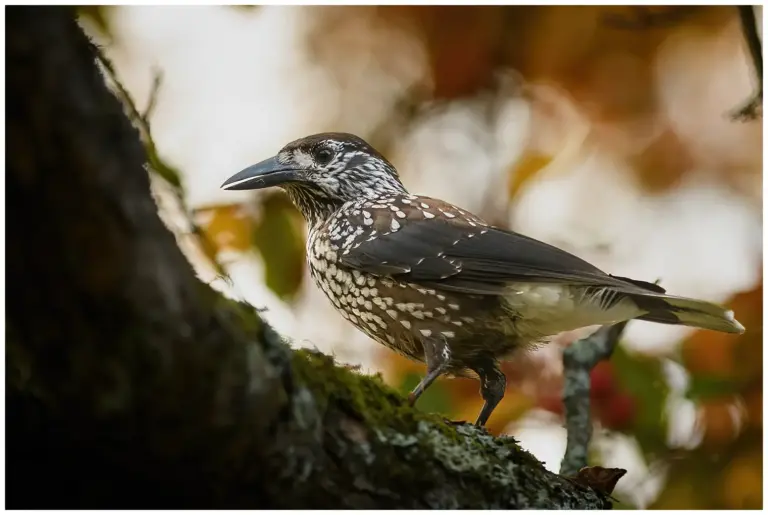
column 459, row 252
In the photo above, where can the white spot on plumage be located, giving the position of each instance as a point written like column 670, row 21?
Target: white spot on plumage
column 426, row 332
column 406, row 324
column 427, row 214
column 395, row 225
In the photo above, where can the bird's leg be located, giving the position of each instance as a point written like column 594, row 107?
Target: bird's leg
column 493, row 383
column 437, row 355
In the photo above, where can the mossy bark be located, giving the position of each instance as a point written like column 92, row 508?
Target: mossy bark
column 129, row 383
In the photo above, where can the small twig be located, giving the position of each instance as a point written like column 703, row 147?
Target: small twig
column 578, row 361
column 753, row 109
column 154, row 162
column 157, row 81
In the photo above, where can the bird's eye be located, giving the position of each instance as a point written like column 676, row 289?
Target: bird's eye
column 323, row 156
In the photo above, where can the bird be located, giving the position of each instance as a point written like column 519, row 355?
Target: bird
column 438, row 284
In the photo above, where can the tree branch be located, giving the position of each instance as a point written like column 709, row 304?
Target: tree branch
column 579, row 359
column 753, row 109
column 129, row 383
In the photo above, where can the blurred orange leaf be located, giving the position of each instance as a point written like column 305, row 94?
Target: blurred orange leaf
column 742, row 485
column 710, row 353
column 226, row 227
column 753, row 404
column 526, row 169
column 716, row 418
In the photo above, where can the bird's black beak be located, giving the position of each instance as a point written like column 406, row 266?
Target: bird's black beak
column 267, row 173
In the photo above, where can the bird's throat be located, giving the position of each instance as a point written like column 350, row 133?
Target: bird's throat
column 314, row 205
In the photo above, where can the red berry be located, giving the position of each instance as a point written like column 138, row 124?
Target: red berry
column 552, row 403
column 603, row 381
column 618, row 412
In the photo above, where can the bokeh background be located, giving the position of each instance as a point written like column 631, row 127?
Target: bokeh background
column 603, row 130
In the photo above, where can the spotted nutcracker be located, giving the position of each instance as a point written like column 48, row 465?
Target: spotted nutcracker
column 438, row 284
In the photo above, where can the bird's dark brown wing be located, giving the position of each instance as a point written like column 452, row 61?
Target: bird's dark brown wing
column 444, row 247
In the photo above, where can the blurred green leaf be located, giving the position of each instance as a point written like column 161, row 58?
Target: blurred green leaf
column 435, row 399
column 706, row 387
column 278, row 238
column 98, row 15
column 642, row 377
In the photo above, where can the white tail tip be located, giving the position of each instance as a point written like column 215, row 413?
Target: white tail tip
column 731, row 318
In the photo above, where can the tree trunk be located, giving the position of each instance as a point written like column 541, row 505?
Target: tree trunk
column 131, row 384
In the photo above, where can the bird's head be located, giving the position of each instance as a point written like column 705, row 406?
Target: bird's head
column 322, row 172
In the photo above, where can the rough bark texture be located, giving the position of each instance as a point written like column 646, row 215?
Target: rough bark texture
column 131, row 384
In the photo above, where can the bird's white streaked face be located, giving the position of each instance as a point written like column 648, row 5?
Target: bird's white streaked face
column 339, row 169
column 323, row 172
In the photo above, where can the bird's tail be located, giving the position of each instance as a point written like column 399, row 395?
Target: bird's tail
column 667, row 309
